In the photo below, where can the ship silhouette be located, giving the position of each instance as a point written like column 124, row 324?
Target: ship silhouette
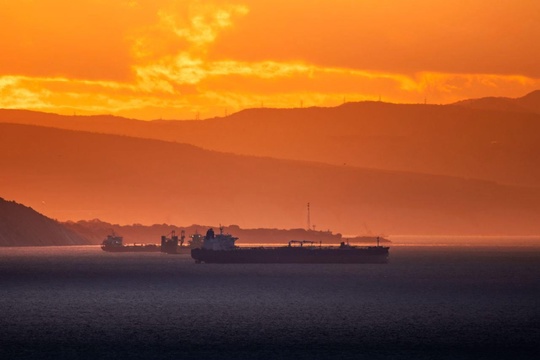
column 221, row 248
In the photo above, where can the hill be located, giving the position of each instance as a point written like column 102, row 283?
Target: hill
column 97, row 230
column 454, row 140
column 529, row 103
column 23, row 226
column 72, row 175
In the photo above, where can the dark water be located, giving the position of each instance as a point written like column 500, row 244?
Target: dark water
column 427, row 303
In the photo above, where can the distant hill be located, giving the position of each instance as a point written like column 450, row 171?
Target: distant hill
column 23, row 226
column 73, row 175
column 482, row 141
column 529, row 103
column 495, row 104
column 97, row 230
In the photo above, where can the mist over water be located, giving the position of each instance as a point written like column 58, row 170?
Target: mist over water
column 467, row 241
column 428, row 302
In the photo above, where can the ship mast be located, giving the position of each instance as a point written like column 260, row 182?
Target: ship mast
column 308, row 218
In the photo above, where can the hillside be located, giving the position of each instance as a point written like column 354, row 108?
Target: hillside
column 529, row 103
column 23, row 226
column 75, row 175
column 486, row 143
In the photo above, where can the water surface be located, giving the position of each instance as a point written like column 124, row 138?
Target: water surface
column 428, row 302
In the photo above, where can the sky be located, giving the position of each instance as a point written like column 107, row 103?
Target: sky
column 184, row 59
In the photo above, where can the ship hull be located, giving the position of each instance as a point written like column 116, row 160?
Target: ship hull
column 128, row 248
column 176, row 250
column 293, row 255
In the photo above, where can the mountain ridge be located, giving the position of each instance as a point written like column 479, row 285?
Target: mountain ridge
column 447, row 140
column 527, row 103
column 72, row 175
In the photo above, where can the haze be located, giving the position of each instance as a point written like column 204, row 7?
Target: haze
column 391, row 117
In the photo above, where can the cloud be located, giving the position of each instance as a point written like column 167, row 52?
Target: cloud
column 209, row 88
column 183, row 27
column 174, row 73
column 202, row 23
column 445, row 88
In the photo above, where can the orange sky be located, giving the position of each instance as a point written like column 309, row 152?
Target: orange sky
column 153, row 59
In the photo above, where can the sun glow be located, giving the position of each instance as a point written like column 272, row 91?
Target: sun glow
column 176, row 58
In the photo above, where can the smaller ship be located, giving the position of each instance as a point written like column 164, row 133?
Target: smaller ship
column 221, row 248
column 172, row 244
column 115, row 243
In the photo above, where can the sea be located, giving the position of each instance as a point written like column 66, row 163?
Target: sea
column 431, row 301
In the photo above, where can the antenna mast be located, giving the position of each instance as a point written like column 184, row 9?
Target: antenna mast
column 308, row 218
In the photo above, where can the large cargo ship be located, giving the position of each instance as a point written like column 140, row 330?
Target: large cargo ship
column 115, row 243
column 221, row 248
